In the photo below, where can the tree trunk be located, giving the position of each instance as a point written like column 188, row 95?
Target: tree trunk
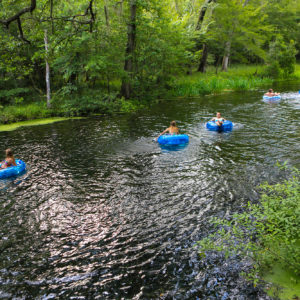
column 203, row 61
column 226, row 56
column 228, row 45
column 47, row 71
column 106, row 15
column 218, row 60
column 51, row 16
column 202, row 14
column 126, row 89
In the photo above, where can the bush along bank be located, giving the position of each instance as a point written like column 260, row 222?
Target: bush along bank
column 68, row 107
column 74, row 102
column 267, row 234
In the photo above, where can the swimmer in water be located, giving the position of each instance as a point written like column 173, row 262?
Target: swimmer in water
column 173, row 129
column 9, row 160
column 271, row 93
column 218, row 119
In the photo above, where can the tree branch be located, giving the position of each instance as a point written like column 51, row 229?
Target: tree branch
column 21, row 31
column 17, row 16
column 89, row 10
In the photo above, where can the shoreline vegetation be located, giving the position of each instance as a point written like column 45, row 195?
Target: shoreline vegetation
column 91, row 102
column 267, row 234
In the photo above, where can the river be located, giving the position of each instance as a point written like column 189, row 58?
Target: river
column 104, row 213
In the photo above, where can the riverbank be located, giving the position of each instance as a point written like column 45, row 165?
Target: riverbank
column 267, row 234
column 90, row 102
column 238, row 78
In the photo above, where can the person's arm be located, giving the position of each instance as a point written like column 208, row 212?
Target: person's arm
column 165, row 131
column 213, row 119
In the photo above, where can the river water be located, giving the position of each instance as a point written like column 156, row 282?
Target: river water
column 104, row 213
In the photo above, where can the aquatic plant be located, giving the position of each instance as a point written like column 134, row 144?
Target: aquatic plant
column 267, row 232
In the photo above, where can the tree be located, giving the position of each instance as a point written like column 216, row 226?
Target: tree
column 126, row 88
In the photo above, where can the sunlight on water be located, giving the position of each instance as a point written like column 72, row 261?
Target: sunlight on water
column 105, row 212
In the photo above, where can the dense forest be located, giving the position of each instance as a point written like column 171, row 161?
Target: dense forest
column 72, row 54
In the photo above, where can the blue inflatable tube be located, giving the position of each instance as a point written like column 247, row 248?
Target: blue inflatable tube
column 278, row 97
column 226, row 126
column 13, row 171
column 175, row 139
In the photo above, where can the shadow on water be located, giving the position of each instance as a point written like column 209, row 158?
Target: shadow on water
column 104, row 212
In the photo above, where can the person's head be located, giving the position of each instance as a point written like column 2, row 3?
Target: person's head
column 218, row 115
column 173, row 124
column 270, row 91
column 9, row 153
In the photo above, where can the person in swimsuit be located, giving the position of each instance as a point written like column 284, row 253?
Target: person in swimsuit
column 218, row 119
column 173, row 129
column 9, row 160
column 271, row 93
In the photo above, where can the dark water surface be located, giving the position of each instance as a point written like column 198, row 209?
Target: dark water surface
column 104, row 213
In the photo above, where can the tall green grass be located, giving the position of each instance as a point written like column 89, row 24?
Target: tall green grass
column 297, row 71
column 239, row 78
column 18, row 113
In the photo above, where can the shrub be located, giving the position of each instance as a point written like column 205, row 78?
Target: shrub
column 273, row 70
column 11, row 114
column 281, row 58
column 11, row 95
column 268, row 232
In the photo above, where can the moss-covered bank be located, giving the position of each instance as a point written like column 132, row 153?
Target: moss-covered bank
column 13, row 126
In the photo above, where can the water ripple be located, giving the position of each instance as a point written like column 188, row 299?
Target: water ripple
column 104, row 213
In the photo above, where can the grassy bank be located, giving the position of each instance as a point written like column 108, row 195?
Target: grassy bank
column 267, row 233
column 67, row 107
column 72, row 102
column 238, row 78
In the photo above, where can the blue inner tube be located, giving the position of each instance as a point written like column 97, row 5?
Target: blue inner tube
column 226, row 126
column 13, row 171
column 173, row 139
column 272, row 98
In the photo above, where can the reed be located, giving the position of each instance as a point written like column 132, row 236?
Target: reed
column 238, row 78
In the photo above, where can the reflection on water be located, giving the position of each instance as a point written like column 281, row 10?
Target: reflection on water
column 104, row 212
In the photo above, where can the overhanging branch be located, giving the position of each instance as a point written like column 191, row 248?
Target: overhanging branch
column 17, row 16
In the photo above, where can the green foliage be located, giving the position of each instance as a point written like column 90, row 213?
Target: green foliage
column 11, row 114
column 64, row 105
column 12, row 94
column 268, row 232
column 285, row 284
column 273, row 70
column 281, row 58
column 240, row 78
column 88, row 53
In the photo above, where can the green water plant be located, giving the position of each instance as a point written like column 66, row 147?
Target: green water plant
column 267, row 232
